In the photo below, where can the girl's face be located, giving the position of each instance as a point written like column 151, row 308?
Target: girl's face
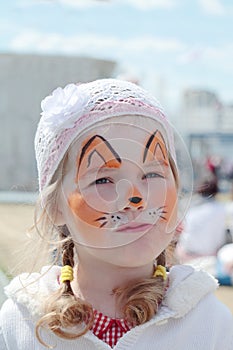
column 119, row 190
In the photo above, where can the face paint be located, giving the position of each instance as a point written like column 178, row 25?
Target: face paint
column 171, row 208
column 135, row 199
column 98, row 154
column 93, row 217
column 80, row 208
column 155, row 149
column 98, row 219
column 97, row 145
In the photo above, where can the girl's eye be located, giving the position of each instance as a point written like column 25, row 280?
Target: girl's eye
column 103, row 180
column 152, row 175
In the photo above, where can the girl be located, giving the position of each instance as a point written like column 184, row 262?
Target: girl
column 109, row 187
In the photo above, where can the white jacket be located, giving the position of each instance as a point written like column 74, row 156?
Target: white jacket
column 190, row 317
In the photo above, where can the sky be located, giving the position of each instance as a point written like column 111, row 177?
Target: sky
column 168, row 45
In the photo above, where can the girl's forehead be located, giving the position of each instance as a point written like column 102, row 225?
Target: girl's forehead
column 128, row 136
column 135, row 128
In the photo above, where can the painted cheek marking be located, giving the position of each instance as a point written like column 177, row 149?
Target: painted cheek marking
column 156, row 213
column 156, row 148
column 171, row 204
column 79, row 207
column 97, row 145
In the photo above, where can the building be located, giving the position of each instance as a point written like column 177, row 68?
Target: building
column 25, row 80
column 207, row 125
column 200, row 111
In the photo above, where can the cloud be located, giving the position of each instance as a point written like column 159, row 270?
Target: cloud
column 149, row 4
column 192, row 55
column 82, row 3
column 217, row 61
column 71, row 3
column 107, row 46
column 213, row 7
column 140, row 49
column 141, row 4
column 220, row 58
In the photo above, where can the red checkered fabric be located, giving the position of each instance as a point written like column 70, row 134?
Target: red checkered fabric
column 110, row 330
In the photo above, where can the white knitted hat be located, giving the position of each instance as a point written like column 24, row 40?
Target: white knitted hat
column 69, row 111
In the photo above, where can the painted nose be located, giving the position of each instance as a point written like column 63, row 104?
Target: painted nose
column 135, row 200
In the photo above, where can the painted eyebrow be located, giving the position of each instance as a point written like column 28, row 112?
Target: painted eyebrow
column 89, row 142
column 149, row 143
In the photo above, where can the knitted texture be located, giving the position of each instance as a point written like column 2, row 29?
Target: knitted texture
column 69, row 111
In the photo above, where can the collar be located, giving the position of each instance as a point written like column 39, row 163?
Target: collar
column 187, row 286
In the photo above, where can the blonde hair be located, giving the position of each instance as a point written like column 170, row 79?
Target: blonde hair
column 70, row 317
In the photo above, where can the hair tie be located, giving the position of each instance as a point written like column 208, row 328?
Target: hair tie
column 160, row 271
column 66, row 274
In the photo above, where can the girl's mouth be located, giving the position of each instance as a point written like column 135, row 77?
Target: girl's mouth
column 134, row 227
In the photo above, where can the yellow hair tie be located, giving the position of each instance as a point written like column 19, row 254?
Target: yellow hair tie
column 66, row 274
column 160, row 271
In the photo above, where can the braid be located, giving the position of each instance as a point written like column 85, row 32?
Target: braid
column 140, row 300
column 161, row 260
column 63, row 310
column 67, row 256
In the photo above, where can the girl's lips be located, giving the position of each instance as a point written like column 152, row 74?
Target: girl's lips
column 134, row 227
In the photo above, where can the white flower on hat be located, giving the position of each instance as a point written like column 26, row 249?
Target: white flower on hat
column 58, row 108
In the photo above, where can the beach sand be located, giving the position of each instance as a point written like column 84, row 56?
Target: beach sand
column 16, row 219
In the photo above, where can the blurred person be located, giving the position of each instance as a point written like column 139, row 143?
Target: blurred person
column 229, row 213
column 204, row 227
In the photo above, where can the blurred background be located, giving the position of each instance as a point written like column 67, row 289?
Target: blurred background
column 181, row 51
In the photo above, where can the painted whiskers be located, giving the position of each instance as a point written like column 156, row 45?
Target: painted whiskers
column 148, row 216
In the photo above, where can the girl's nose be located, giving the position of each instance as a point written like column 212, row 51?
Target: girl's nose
column 130, row 197
column 135, row 200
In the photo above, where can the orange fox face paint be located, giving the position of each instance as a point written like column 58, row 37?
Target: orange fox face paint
column 80, row 208
column 156, row 148
column 135, row 199
column 97, row 145
column 119, row 181
column 96, row 152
